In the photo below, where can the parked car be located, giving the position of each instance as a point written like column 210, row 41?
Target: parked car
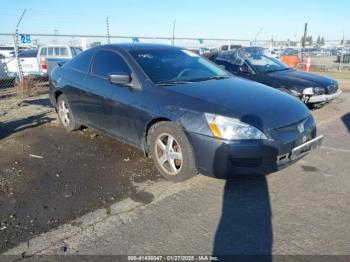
column 311, row 88
column 188, row 114
column 29, row 64
column 50, row 55
column 9, row 51
column 229, row 47
column 290, row 52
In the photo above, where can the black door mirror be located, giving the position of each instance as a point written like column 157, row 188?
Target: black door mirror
column 120, row 79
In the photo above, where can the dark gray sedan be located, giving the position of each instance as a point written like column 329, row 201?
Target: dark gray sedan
column 188, row 114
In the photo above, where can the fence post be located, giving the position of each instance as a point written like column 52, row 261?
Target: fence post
column 20, row 72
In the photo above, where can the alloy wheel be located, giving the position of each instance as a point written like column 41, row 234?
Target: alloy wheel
column 169, row 154
column 63, row 112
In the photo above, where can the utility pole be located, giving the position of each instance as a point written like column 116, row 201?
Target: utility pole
column 16, row 39
column 303, row 43
column 305, row 36
column 174, row 26
column 108, row 35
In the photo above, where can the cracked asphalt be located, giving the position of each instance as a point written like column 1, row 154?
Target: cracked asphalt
column 83, row 193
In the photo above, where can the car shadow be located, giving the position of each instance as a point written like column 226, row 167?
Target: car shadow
column 245, row 227
column 11, row 127
column 38, row 102
column 346, row 120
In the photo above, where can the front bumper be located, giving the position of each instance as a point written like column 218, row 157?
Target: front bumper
column 324, row 98
column 226, row 159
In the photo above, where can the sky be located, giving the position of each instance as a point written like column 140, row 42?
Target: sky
column 232, row 19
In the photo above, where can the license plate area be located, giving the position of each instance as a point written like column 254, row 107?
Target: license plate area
column 299, row 151
column 305, row 148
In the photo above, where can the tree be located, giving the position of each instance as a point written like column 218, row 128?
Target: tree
column 309, row 40
column 322, row 41
column 318, row 41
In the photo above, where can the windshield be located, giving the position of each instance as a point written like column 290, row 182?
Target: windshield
column 175, row 65
column 265, row 64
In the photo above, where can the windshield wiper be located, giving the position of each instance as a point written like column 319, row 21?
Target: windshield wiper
column 276, row 70
column 171, row 83
column 210, row 78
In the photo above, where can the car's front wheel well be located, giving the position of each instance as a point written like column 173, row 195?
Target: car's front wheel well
column 57, row 94
column 148, row 130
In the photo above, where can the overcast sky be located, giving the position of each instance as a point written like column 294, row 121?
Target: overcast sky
column 195, row 18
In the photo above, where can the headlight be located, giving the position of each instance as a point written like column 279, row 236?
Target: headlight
column 294, row 92
column 232, row 128
column 308, row 91
column 314, row 91
column 319, row 90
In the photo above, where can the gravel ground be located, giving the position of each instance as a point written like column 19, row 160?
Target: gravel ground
column 49, row 177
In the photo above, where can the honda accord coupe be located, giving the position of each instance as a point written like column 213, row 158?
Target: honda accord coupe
column 185, row 112
column 253, row 64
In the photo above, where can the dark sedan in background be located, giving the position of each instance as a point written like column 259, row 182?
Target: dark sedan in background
column 253, row 64
column 188, row 114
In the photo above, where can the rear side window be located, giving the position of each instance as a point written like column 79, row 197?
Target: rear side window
column 50, row 53
column 57, row 51
column 63, row 51
column 107, row 63
column 81, row 62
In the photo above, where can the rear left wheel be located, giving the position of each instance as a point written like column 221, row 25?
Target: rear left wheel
column 65, row 115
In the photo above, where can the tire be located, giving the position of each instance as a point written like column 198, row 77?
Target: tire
column 65, row 114
column 170, row 146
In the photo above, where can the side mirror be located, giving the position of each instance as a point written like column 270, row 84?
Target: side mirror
column 121, row 79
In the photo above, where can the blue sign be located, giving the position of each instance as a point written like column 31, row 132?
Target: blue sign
column 26, row 39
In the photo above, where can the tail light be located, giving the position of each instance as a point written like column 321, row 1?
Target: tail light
column 43, row 64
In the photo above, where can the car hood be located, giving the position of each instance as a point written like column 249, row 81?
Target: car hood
column 251, row 102
column 297, row 79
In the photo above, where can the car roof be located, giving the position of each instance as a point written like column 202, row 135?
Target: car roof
column 249, row 50
column 136, row 46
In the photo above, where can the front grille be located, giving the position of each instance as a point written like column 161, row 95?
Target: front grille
column 295, row 126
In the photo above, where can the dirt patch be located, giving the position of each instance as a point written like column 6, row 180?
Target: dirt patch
column 310, row 168
column 143, row 197
column 49, row 177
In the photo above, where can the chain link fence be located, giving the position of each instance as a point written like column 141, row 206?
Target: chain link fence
column 24, row 69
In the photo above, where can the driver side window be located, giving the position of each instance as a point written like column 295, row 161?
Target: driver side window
column 107, row 63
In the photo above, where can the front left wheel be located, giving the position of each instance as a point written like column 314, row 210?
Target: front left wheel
column 65, row 115
column 171, row 152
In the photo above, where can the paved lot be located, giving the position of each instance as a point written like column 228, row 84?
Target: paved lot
column 93, row 195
